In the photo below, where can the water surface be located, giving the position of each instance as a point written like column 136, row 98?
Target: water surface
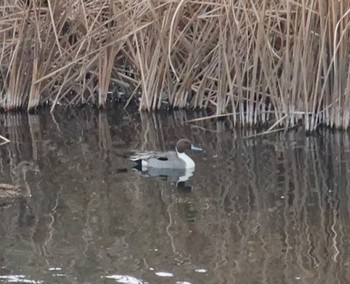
column 272, row 209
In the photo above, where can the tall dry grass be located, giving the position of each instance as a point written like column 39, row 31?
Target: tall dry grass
column 288, row 58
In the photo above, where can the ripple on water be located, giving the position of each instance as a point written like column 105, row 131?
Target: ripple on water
column 201, row 270
column 164, row 274
column 19, row 279
column 124, row 279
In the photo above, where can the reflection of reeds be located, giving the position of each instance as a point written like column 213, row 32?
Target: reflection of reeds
column 241, row 57
column 105, row 139
column 289, row 216
column 268, row 211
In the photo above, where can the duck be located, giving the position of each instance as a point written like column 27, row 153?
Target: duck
column 10, row 190
column 14, row 191
column 177, row 159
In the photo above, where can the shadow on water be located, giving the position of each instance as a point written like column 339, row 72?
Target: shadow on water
column 266, row 210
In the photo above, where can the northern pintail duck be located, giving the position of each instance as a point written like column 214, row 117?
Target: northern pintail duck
column 177, row 159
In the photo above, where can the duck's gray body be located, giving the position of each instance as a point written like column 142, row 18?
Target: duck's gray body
column 170, row 175
column 177, row 159
column 164, row 160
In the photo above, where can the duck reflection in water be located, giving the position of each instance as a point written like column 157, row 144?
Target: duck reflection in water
column 174, row 166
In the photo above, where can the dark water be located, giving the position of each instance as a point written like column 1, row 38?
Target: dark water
column 273, row 209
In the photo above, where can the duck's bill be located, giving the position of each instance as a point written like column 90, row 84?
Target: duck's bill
column 196, row 148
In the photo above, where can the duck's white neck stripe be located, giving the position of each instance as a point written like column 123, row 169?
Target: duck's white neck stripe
column 188, row 161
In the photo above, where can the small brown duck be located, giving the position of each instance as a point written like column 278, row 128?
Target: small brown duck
column 21, row 189
column 10, row 191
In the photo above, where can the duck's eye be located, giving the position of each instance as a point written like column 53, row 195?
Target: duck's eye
column 162, row 158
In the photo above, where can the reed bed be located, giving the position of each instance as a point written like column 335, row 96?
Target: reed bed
column 285, row 58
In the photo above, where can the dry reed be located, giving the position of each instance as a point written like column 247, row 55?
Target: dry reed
column 290, row 58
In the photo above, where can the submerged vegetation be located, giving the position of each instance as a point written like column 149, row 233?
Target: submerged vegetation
column 245, row 58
